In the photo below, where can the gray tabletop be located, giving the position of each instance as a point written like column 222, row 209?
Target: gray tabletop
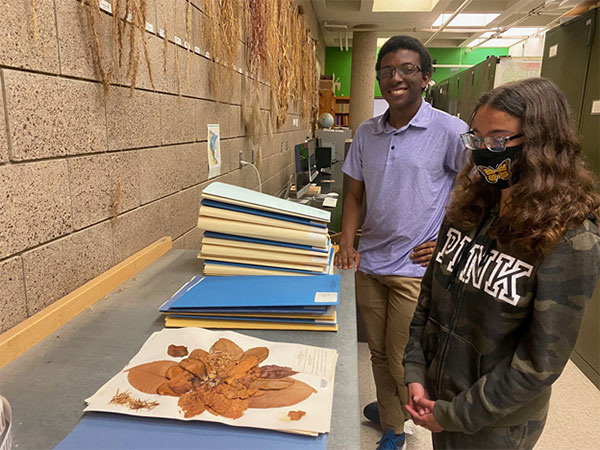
column 47, row 385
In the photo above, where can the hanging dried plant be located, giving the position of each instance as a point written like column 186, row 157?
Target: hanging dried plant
column 188, row 39
column 34, row 17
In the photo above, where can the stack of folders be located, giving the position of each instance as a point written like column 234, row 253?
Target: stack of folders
column 253, row 245
column 251, row 233
column 256, row 302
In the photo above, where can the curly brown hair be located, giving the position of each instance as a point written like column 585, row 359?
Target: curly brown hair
column 555, row 191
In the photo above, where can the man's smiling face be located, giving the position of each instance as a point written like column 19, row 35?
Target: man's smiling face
column 402, row 91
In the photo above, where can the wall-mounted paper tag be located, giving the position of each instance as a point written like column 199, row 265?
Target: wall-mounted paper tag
column 177, row 40
column 129, row 17
column 196, row 50
column 596, row 107
column 553, row 51
column 161, row 33
column 105, row 6
column 149, row 27
column 325, row 297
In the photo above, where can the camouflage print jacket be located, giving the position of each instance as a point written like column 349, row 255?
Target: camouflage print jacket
column 493, row 329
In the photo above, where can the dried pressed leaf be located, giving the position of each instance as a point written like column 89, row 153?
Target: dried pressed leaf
column 267, row 384
column 275, row 371
column 177, row 351
column 289, row 396
column 260, row 353
column 147, row 377
column 226, row 346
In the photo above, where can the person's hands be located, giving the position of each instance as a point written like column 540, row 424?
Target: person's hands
column 419, row 391
column 422, row 253
column 426, row 420
column 346, row 257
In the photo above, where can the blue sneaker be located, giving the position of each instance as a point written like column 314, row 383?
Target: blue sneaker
column 392, row 441
column 371, row 412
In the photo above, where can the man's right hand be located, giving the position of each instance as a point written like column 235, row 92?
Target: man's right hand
column 346, row 257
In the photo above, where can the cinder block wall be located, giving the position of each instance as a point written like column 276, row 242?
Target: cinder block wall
column 86, row 181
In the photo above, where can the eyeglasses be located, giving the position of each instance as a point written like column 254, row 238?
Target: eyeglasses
column 492, row 143
column 403, row 70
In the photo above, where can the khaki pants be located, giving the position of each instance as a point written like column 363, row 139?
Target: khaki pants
column 387, row 304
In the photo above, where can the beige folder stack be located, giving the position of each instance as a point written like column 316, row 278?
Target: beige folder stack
column 251, row 233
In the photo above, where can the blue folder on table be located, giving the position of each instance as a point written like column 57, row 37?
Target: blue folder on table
column 115, row 431
column 257, row 291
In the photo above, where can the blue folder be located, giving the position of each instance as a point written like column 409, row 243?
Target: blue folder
column 262, row 213
column 232, row 237
column 115, row 431
column 257, row 290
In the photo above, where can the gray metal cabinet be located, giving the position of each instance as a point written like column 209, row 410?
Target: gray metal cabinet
column 572, row 60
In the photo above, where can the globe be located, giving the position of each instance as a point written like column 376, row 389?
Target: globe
column 326, row 120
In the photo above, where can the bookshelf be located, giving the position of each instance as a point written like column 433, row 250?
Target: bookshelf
column 342, row 111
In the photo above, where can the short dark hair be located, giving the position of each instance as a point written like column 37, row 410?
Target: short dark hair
column 408, row 43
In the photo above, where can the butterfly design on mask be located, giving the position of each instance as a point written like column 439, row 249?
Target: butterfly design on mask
column 501, row 172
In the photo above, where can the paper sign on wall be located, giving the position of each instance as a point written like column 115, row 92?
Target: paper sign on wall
column 214, row 150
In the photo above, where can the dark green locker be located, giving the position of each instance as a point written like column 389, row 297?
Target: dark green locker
column 571, row 60
column 566, row 57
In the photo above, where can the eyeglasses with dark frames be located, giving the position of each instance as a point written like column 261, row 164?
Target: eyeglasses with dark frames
column 404, row 70
column 492, row 143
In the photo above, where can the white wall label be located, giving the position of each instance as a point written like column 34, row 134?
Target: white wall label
column 177, row 40
column 161, row 33
column 196, row 50
column 596, row 107
column 105, row 6
column 149, row 27
column 553, row 51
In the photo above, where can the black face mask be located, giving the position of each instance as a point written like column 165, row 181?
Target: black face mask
column 497, row 167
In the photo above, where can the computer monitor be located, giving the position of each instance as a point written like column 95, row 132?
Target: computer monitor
column 312, row 158
column 302, row 176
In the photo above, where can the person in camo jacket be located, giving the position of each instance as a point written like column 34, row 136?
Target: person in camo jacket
column 516, row 261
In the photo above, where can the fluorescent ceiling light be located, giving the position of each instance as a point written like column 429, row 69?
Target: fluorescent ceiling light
column 404, row 5
column 465, row 20
column 498, row 43
column 521, row 31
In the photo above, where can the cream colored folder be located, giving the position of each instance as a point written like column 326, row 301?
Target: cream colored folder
column 229, row 270
column 266, row 247
column 257, row 262
column 237, row 216
column 209, row 251
column 262, row 231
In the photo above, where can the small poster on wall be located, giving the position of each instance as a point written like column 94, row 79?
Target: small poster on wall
column 214, row 151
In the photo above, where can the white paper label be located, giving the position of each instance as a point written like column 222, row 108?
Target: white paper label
column 161, row 33
column 596, row 107
column 177, row 40
column 326, row 297
column 240, row 70
column 196, row 50
column 149, row 27
column 207, row 54
column 187, row 45
column 105, row 6
column 129, row 17
column 553, row 51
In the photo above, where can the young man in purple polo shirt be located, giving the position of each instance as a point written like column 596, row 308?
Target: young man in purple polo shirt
column 403, row 163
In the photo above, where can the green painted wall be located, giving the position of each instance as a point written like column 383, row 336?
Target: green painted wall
column 340, row 62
